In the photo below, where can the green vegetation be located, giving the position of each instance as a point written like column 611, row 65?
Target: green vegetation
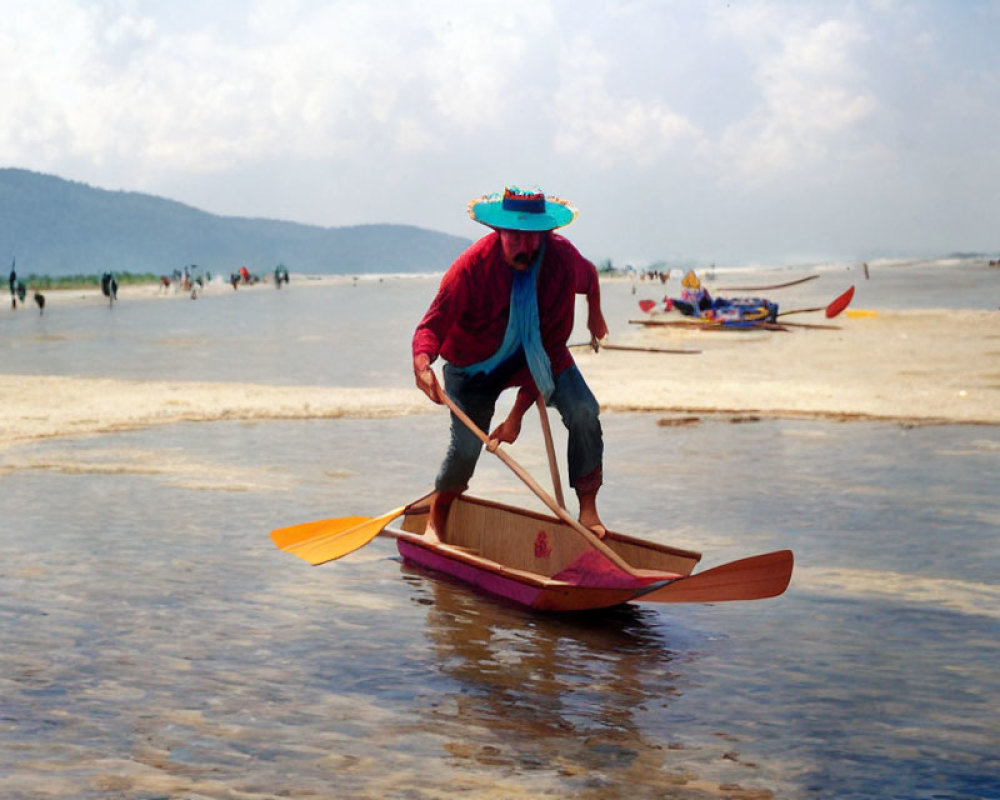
column 36, row 282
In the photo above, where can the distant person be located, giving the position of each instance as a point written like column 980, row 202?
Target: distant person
column 501, row 318
column 13, row 285
column 109, row 287
column 40, row 302
column 22, row 291
column 694, row 298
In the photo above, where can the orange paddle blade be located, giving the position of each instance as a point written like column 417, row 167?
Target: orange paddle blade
column 328, row 539
column 840, row 303
column 294, row 534
column 750, row 578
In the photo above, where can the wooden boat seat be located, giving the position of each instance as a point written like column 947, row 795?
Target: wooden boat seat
column 656, row 573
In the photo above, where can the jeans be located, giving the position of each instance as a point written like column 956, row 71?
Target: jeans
column 476, row 395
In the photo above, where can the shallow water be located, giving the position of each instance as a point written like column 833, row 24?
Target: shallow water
column 358, row 333
column 304, row 335
column 156, row 644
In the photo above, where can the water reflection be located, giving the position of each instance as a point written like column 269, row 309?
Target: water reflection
column 157, row 645
column 574, row 695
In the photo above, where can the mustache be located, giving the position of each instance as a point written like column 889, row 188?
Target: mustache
column 525, row 258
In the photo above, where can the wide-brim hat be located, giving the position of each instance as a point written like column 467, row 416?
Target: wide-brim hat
column 521, row 209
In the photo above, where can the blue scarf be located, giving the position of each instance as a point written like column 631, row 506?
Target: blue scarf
column 523, row 331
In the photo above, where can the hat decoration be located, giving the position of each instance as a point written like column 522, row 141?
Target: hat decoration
column 521, row 209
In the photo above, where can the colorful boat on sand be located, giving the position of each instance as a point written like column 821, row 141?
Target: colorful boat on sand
column 742, row 313
column 540, row 562
column 696, row 302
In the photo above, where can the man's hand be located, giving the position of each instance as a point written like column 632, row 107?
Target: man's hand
column 596, row 325
column 425, row 377
column 507, row 431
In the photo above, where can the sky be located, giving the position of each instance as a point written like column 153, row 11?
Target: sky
column 726, row 132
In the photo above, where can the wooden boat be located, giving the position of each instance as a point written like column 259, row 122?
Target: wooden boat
column 540, row 562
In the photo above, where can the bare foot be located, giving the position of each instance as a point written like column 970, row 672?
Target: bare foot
column 437, row 522
column 588, row 514
column 596, row 528
column 430, row 535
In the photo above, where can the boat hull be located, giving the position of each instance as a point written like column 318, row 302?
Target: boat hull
column 536, row 560
column 536, row 595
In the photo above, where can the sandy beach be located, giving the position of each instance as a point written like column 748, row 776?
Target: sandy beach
column 915, row 367
column 912, row 366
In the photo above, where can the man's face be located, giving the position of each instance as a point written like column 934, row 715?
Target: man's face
column 521, row 247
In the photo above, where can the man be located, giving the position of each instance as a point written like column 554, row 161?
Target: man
column 502, row 317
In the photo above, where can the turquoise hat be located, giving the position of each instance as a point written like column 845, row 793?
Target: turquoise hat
column 520, row 209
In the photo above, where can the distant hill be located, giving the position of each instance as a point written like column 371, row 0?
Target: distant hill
column 58, row 227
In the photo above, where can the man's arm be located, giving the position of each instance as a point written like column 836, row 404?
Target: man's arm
column 588, row 283
column 431, row 332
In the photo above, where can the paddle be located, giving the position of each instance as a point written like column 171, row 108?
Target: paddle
column 752, row 578
column 327, row 539
column 812, row 325
column 832, row 310
column 638, row 349
column 766, row 288
column 647, row 305
column 550, row 451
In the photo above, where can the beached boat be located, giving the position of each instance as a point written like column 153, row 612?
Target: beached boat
column 741, row 313
column 541, row 561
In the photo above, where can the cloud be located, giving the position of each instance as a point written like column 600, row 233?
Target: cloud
column 603, row 128
column 333, row 80
column 812, row 98
column 713, row 116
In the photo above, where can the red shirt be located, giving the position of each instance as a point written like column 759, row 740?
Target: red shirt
column 467, row 320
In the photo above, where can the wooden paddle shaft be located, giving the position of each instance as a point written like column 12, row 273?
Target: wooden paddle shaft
column 765, row 288
column 650, row 349
column 800, row 311
column 641, row 349
column 540, row 493
column 550, row 450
